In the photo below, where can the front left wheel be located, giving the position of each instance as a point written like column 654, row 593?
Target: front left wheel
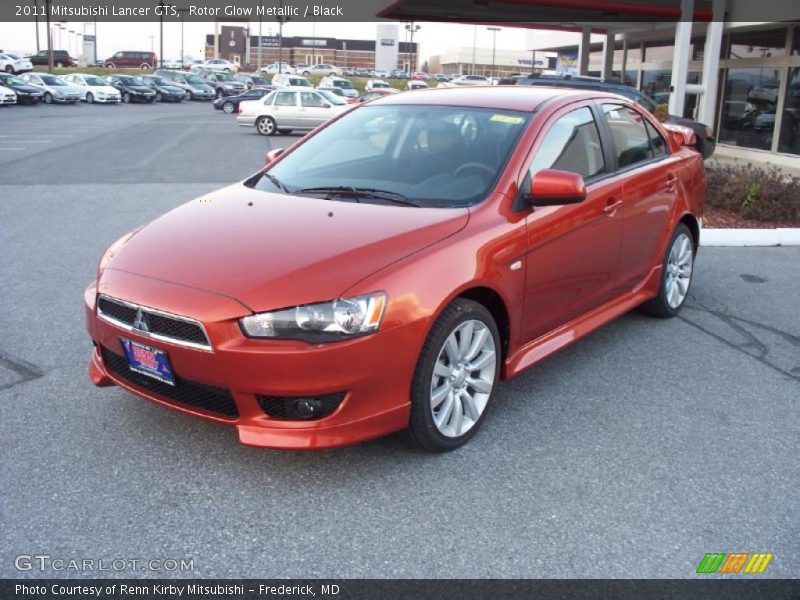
column 455, row 376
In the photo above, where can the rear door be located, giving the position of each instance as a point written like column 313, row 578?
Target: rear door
column 285, row 110
column 573, row 249
column 649, row 190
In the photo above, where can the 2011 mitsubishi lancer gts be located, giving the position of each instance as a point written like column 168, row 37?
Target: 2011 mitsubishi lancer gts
column 386, row 272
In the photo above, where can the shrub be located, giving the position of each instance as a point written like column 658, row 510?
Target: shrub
column 761, row 194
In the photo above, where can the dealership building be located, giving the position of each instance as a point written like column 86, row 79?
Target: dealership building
column 716, row 60
column 385, row 52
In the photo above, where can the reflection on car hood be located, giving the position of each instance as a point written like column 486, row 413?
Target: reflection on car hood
column 281, row 250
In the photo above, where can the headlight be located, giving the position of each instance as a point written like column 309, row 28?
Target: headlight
column 340, row 319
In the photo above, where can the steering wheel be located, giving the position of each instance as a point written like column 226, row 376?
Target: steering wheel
column 476, row 165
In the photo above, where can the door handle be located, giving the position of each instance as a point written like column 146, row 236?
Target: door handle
column 612, row 206
column 672, row 181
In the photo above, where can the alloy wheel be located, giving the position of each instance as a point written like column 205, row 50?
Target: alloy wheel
column 463, row 378
column 227, row 108
column 679, row 270
column 266, row 126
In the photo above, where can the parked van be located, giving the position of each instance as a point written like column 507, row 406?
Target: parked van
column 131, row 59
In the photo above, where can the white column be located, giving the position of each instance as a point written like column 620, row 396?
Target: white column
column 708, row 101
column 608, row 56
column 583, row 51
column 680, row 58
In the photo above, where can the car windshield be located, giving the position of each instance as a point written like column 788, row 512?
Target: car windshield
column 94, row 81
column 130, row 80
column 299, row 81
column 193, row 79
column 224, row 77
column 258, row 80
column 13, row 80
column 332, row 97
column 52, row 80
column 343, row 83
column 434, row 156
column 159, row 80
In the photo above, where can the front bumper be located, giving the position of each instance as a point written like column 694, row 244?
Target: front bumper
column 374, row 371
column 108, row 100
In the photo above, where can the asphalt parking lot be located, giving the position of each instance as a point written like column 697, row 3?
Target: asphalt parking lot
column 630, row 454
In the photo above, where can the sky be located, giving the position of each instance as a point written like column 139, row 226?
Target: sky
column 434, row 38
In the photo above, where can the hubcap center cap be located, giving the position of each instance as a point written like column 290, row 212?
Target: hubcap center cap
column 458, row 376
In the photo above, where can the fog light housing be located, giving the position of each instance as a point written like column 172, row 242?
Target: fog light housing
column 300, row 408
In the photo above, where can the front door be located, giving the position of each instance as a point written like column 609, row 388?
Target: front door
column 314, row 110
column 285, row 110
column 573, row 250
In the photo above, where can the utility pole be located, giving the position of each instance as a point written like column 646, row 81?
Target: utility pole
column 474, row 42
column 160, row 61
column 281, row 20
column 412, row 63
column 49, row 37
column 258, row 60
column 183, row 12
column 36, row 16
column 494, row 31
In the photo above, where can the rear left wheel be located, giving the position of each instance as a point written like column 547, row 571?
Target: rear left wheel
column 676, row 276
column 454, row 378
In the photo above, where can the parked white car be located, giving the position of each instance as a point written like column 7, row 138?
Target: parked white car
column 322, row 69
column 7, row 96
column 284, row 80
column 15, row 64
column 416, row 84
column 172, row 64
column 94, row 89
column 343, row 84
column 373, row 84
column 216, row 64
column 466, row 80
column 55, row 89
column 287, row 110
column 276, row 68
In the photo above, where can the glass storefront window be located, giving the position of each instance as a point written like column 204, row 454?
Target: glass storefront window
column 789, row 136
column 758, row 44
column 749, row 100
column 655, row 83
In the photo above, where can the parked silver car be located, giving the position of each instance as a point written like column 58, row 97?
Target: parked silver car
column 288, row 109
column 55, row 89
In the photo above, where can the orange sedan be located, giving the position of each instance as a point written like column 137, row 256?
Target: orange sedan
column 384, row 273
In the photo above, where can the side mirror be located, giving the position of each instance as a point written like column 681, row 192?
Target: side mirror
column 272, row 155
column 551, row 187
column 683, row 136
column 325, row 105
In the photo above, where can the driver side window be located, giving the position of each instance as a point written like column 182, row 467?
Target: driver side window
column 571, row 144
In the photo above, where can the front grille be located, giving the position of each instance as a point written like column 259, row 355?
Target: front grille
column 187, row 393
column 169, row 327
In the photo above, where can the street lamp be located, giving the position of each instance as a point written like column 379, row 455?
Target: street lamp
column 412, row 28
column 494, row 31
column 36, row 18
column 182, row 11
column 281, row 19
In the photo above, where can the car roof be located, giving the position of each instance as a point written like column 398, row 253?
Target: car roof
column 523, row 98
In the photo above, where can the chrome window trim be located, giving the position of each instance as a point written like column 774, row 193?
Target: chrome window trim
column 154, row 336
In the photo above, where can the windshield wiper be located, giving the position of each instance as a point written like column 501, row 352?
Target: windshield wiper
column 357, row 193
column 277, row 183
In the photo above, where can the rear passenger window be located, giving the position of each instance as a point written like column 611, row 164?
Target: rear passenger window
column 630, row 136
column 571, row 144
column 285, row 99
column 657, row 143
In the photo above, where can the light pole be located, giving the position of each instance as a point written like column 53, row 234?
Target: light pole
column 281, row 20
column 474, row 41
column 36, row 18
column 182, row 11
column 258, row 60
column 412, row 28
column 160, row 61
column 494, row 31
column 49, row 37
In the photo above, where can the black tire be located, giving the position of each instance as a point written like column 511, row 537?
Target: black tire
column 126, row 98
column 159, row 97
column 9, row 69
column 422, row 431
column 60, row 65
column 145, row 67
column 228, row 108
column 266, row 126
column 110, row 66
column 220, row 93
column 659, row 306
column 90, row 98
column 48, row 98
column 284, row 131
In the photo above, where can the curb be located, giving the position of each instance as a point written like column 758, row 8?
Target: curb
column 750, row 237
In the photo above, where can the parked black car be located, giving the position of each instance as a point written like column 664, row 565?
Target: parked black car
column 230, row 104
column 223, row 83
column 165, row 90
column 132, row 89
column 705, row 136
column 61, row 58
column 251, row 80
column 193, row 85
column 26, row 93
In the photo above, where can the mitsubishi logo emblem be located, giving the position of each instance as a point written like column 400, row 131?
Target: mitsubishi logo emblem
column 140, row 322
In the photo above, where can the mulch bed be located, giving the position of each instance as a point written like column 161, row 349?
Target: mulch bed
column 717, row 218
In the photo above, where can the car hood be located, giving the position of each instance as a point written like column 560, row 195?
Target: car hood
column 201, row 86
column 31, row 89
column 272, row 251
column 104, row 89
column 169, row 89
column 142, row 89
